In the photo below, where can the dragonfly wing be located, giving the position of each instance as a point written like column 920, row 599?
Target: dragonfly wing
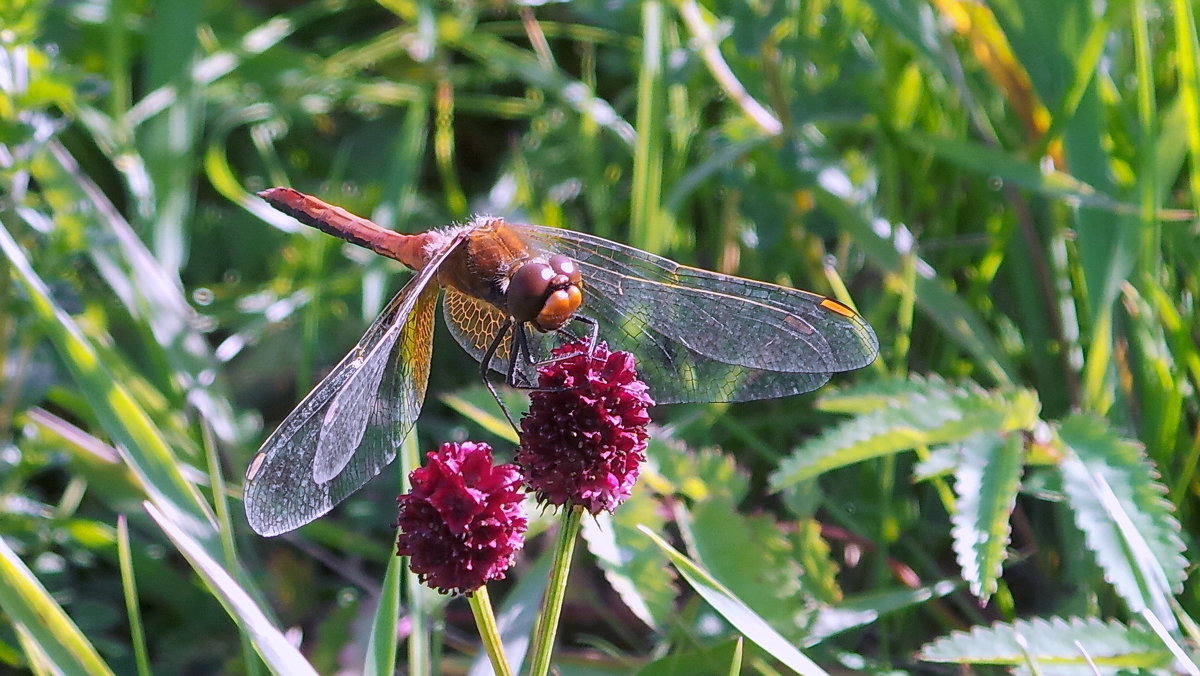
column 394, row 406
column 704, row 336
column 474, row 324
column 363, row 403
column 378, row 388
column 678, row 374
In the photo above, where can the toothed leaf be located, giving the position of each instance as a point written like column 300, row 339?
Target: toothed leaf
column 927, row 415
column 696, row 474
column 868, row 396
column 986, row 482
column 1055, row 645
column 1118, row 503
column 816, row 561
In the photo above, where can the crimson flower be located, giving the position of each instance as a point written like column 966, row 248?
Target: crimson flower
column 462, row 522
column 584, row 437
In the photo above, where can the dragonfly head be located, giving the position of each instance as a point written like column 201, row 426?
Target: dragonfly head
column 545, row 293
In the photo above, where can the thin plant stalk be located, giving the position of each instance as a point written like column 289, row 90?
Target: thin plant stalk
column 137, row 633
column 485, row 621
column 547, row 624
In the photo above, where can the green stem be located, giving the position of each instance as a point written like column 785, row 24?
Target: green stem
column 485, row 621
column 556, row 589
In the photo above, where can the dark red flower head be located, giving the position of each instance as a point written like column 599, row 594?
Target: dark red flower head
column 584, row 437
column 462, row 522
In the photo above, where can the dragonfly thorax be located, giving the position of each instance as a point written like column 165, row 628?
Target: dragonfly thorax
column 545, row 293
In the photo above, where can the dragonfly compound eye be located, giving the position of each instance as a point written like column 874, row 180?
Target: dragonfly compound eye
column 527, row 290
column 565, row 266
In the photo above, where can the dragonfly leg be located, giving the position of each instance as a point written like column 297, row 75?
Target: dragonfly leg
column 522, row 352
column 595, row 331
column 520, row 347
column 570, row 336
column 485, row 364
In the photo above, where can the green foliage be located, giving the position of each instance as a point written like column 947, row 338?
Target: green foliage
column 1054, row 646
column 737, row 613
column 924, row 415
column 719, row 660
column 1006, row 190
column 1110, row 488
column 1118, row 504
column 985, row 484
column 46, row 631
column 631, row 565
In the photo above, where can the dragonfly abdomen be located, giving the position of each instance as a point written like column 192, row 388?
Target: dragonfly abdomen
column 411, row 250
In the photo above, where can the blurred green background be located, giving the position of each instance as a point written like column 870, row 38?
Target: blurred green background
column 1003, row 189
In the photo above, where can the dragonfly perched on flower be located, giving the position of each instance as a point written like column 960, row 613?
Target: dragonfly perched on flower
column 510, row 292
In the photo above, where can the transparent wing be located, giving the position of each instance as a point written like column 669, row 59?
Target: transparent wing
column 348, row 428
column 704, row 336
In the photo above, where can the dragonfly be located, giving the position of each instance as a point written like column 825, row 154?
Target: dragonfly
column 510, row 293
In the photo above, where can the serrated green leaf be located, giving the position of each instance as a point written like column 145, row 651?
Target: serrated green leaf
column 871, row 395
column 1118, row 504
column 986, row 483
column 631, row 564
column 751, row 557
column 1055, row 642
column 941, row 461
column 924, row 417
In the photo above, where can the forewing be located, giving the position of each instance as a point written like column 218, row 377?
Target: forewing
column 378, row 387
column 704, row 336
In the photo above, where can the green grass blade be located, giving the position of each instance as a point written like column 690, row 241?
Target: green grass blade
column 700, row 31
column 648, row 225
column 949, row 311
column 271, row 644
column 125, row 421
column 381, row 646
column 735, row 612
column 1187, row 54
column 30, row 606
column 129, row 587
column 523, row 65
column 151, row 295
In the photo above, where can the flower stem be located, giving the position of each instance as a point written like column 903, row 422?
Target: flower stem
column 556, row 589
column 485, row 621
